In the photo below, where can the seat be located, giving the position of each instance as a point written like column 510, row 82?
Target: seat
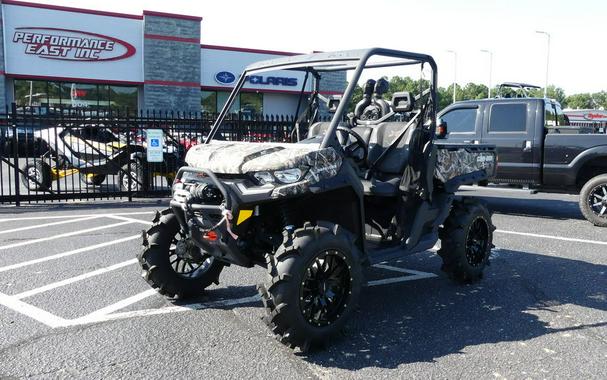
column 387, row 173
column 320, row 128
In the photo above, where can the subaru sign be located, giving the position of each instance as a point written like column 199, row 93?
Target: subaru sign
column 225, row 77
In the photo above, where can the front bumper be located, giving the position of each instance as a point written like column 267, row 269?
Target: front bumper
column 210, row 226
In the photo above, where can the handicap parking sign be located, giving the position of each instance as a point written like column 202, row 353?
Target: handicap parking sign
column 154, row 149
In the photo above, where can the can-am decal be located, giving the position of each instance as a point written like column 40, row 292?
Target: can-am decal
column 72, row 45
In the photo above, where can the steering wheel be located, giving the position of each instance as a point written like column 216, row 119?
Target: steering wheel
column 351, row 149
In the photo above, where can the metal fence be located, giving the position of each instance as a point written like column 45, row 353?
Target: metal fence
column 50, row 154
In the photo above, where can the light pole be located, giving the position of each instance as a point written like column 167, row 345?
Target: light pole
column 490, row 67
column 547, row 59
column 454, row 70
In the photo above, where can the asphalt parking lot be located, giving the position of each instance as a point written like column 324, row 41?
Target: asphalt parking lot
column 72, row 304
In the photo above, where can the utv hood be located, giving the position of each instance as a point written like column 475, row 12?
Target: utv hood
column 229, row 157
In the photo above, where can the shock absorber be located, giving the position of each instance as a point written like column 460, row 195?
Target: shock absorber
column 287, row 214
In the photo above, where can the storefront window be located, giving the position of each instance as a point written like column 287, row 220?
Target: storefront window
column 92, row 97
column 248, row 103
column 222, row 98
column 54, row 94
column 209, row 101
column 123, row 98
column 30, row 93
column 251, row 103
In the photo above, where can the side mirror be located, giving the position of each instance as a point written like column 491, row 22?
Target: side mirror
column 333, row 102
column 441, row 129
column 402, row 102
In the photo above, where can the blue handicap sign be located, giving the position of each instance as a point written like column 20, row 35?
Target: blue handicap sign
column 155, row 142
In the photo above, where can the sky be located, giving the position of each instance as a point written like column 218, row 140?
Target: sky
column 578, row 50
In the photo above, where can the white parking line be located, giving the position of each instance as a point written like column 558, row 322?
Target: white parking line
column 54, row 237
column 68, row 253
column 72, row 280
column 129, row 219
column 120, row 304
column 552, row 237
column 31, row 311
column 414, row 275
column 73, row 216
column 48, row 224
column 165, row 310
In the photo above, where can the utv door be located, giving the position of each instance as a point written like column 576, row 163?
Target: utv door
column 464, row 123
column 510, row 126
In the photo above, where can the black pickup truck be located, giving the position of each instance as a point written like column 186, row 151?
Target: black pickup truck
column 536, row 147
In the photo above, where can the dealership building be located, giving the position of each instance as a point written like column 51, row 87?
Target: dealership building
column 67, row 57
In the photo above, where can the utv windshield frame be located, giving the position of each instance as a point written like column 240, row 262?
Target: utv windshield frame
column 347, row 60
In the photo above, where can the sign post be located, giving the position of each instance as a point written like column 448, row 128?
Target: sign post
column 155, row 145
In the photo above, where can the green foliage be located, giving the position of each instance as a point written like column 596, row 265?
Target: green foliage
column 473, row 91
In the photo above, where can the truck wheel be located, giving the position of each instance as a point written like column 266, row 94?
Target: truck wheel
column 593, row 200
column 139, row 178
column 466, row 241
column 92, row 179
column 172, row 264
column 313, row 285
column 37, row 175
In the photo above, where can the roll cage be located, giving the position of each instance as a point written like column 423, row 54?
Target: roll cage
column 348, row 60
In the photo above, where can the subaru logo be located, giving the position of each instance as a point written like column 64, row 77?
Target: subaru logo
column 225, row 77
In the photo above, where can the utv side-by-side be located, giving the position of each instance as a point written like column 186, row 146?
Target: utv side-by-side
column 95, row 152
column 366, row 187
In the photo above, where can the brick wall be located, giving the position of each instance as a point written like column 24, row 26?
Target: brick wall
column 171, row 67
column 3, row 88
column 331, row 82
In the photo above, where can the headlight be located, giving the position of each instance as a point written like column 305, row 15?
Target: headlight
column 288, row 175
column 264, row 177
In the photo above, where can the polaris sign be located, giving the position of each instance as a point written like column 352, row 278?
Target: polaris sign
column 276, row 81
column 226, row 77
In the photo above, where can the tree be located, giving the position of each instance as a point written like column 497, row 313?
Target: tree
column 580, row 101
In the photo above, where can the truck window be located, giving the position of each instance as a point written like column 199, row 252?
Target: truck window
column 561, row 118
column 508, row 118
column 550, row 115
column 461, row 120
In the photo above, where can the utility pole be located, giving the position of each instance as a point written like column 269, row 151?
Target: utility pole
column 454, row 71
column 490, row 67
column 547, row 59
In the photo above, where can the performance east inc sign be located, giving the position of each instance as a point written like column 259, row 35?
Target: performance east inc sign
column 71, row 45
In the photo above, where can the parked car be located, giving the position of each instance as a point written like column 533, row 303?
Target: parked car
column 536, row 147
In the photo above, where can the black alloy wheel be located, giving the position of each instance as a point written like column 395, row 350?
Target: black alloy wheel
column 477, row 242
column 325, row 288
column 185, row 258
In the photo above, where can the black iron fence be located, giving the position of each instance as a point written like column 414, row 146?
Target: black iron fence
column 50, row 154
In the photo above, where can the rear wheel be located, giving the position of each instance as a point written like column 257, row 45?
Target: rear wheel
column 172, row 264
column 134, row 177
column 36, row 175
column 466, row 241
column 313, row 286
column 593, row 200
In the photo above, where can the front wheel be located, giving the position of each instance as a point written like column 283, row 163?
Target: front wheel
column 172, row 264
column 466, row 241
column 593, row 200
column 37, row 175
column 313, row 286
